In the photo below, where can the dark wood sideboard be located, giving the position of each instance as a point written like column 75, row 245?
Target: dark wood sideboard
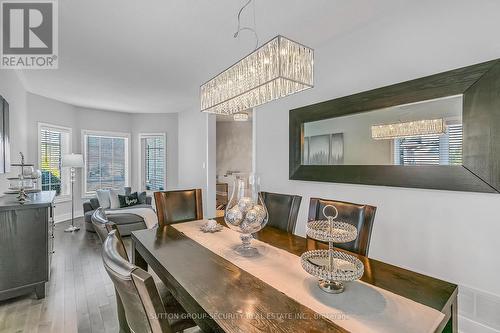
column 26, row 244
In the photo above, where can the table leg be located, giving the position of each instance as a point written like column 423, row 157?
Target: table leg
column 452, row 324
column 454, row 316
column 137, row 258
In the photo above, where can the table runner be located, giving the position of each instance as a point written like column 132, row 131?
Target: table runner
column 360, row 308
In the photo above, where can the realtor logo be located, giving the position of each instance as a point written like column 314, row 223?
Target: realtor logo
column 29, row 35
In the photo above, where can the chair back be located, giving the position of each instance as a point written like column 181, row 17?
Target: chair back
column 178, row 206
column 282, row 209
column 143, row 307
column 103, row 226
column 359, row 215
column 100, row 221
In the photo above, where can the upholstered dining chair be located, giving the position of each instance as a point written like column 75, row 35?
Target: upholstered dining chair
column 178, row 206
column 282, row 209
column 144, row 308
column 359, row 215
column 103, row 226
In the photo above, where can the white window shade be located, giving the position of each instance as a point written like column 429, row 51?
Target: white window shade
column 154, row 166
column 432, row 149
column 54, row 143
column 279, row 68
column 106, row 162
column 455, row 143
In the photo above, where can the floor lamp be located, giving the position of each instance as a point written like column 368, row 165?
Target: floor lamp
column 72, row 161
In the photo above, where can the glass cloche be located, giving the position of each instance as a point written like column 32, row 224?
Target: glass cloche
column 246, row 212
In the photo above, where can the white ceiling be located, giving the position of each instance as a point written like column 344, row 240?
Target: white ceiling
column 152, row 55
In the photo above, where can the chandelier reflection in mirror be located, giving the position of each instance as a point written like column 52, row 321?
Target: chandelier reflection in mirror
column 240, row 116
column 279, row 68
column 408, row 129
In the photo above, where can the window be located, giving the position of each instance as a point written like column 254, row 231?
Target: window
column 434, row 149
column 53, row 143
column 455, row 144
column 153, row 169
column 106, row 160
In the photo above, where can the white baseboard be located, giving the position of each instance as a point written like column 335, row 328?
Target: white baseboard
column 67, row 216
column 478, row 311
column 466, row 325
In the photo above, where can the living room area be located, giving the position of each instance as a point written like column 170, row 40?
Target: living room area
column 122, row 151
column 249, row 166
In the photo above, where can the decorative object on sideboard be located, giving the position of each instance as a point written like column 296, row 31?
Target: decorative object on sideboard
column 25, row 182
column 330, row 266
column 246, row 212
column 278, row 68
column 37, row 179
column 408, row 129
column 72, row 161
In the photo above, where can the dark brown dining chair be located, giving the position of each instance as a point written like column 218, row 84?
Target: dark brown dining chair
column 144, row 308
column 178, row 206
column 282, row 209
column 359, row 215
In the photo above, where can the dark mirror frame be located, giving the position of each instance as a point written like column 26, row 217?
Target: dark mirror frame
column 480, row 87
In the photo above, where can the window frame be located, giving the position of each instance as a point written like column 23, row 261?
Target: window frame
column 108, row 134
column 66, row 195
column 141, row 165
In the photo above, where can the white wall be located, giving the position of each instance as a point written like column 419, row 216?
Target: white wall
column 12, row 90
column 449, row 235
column 234, row 146
column 197, row 155
column 41, row 109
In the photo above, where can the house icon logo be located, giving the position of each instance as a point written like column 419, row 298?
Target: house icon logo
column 29, row 35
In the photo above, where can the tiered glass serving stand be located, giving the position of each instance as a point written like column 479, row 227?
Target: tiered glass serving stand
column 332, row 267
column 25, row 183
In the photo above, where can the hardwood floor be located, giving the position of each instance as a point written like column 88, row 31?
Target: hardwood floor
column 80, row 296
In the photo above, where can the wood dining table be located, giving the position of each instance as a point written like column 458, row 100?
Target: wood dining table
column 214, row 291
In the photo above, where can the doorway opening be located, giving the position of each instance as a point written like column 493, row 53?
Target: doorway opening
column 234, row 154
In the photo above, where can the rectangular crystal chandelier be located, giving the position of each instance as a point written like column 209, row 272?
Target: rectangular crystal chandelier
column 277, row 69
column 408, row 129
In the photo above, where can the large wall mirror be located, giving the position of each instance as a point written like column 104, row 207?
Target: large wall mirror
column 438, row 132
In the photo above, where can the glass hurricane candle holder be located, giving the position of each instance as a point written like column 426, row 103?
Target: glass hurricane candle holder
column 246, row 212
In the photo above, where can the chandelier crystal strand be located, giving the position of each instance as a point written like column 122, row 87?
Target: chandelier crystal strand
column 408, row 129
column 277, row 69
